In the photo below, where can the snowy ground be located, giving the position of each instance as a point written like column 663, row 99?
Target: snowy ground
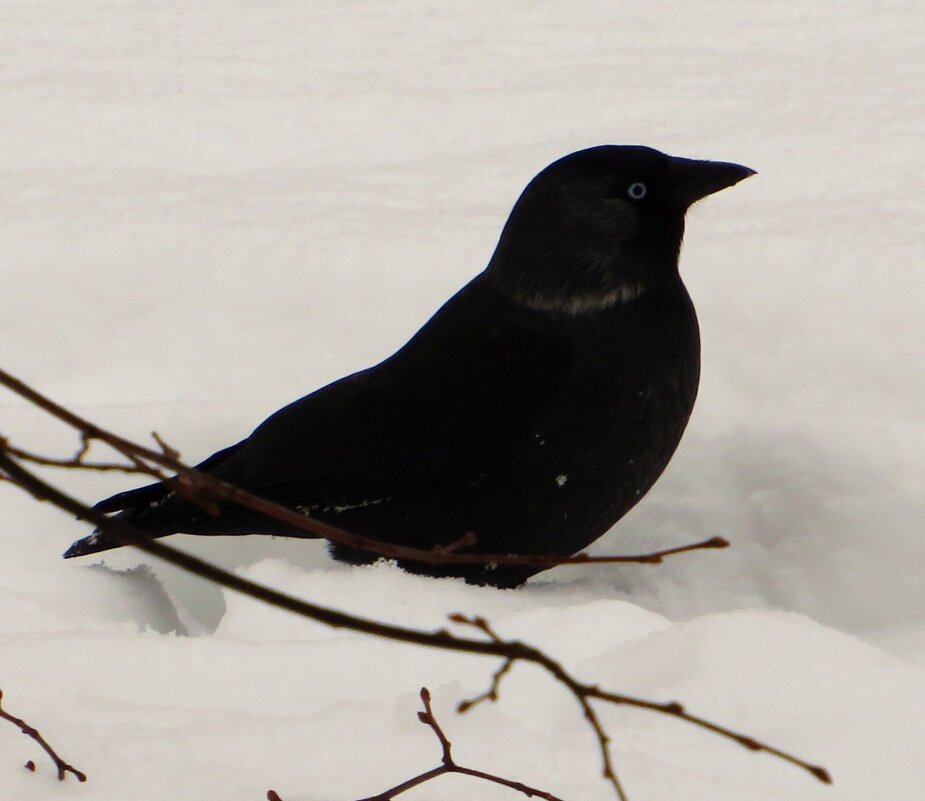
column 210, row 209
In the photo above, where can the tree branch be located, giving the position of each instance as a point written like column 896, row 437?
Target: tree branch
column 585, row 692
column 61, row 766
column 207, row 491
column 509, row 651
column 448, row 765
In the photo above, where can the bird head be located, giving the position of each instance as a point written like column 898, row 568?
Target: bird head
column 601, row 226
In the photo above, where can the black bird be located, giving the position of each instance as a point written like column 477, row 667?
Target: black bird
column 535, row 408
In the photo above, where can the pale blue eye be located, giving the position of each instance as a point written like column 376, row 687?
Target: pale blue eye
column 636, row 191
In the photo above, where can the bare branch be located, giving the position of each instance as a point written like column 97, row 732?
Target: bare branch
column 77, row 461
column 509, row 651
column 209, row 493
column 476, row 622
column 512, row 650
column 83, row 449
column 491, row 694
column 585, row 692
column 465, row 540
column 172, row 453
column 450, row 766
column 603, row 743
column 675, row 709
column 61, row 766
column 653, row 558
column 427, row 717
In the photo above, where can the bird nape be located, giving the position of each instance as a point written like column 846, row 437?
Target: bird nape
column 534, row 409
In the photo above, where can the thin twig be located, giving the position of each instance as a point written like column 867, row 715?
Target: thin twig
column 208, row 492
column 191, row 483
column 173, row 453
column 476, row 622
column 603, row 744
column 449, row 765
column 210, row 488
column 204, row 490
column 513, row 650
column 675, row 709
column 510, row 649
column 83, row 449
column 584, row 692
column 76, row 461
column 61, row 766
column 491, row 694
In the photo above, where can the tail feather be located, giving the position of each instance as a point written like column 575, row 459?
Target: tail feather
column 154, row 493
column 95, row 543
column 133, row 499
column 152, row 509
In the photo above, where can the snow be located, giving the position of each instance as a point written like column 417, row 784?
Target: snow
column 211, row 209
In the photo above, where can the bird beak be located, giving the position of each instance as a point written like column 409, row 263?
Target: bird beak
column 692, row 180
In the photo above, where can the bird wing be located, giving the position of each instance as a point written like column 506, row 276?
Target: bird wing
column 471, row 388
column 152, row 494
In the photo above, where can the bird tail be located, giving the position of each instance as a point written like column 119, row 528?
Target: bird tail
column 131, row 508
column 153, row 509
column 97, row 542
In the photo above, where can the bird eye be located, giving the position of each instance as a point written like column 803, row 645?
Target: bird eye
column 636, row 191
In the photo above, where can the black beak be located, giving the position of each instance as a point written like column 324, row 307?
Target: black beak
column 692, row 180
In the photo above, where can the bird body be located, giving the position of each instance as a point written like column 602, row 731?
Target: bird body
column 534, row 409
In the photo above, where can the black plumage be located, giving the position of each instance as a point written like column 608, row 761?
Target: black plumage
column 535, row 408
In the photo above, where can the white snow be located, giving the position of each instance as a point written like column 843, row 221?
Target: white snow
column 211, row 209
